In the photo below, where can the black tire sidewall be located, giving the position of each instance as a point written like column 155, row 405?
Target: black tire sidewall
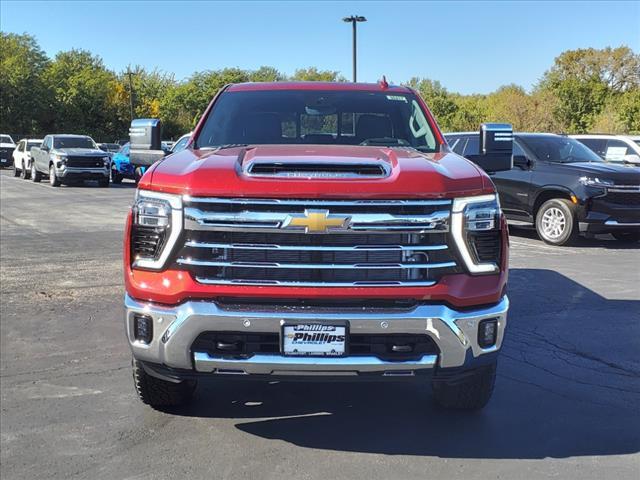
column 571, row 226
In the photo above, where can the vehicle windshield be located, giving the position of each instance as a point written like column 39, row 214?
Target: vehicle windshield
column 637, row 141
column 73, row 142
column 31, row 144
column 317, row 117
column 5, row 139
column 559, row 149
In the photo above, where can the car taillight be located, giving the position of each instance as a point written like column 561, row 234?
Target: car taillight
column 156, row 225
column 475, row 225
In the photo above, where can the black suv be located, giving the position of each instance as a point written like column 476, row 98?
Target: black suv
column 563, row 188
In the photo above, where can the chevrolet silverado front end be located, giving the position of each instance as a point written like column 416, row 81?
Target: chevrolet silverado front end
column 316, row 230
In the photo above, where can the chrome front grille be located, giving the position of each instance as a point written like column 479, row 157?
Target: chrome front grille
column 316, row 243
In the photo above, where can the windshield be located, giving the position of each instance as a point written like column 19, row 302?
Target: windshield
column 637, row 141
column 5, row 139
column 559, row 149
column 31, row 144
column 317, row 117
column 73, row 142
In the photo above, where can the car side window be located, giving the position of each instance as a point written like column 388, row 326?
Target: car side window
column 598, row 145
column 48, row 142
column 180, row 145
column 21, row 146
column 616, row 151
column 517, row 150
column 472, row 147
column 459, row 146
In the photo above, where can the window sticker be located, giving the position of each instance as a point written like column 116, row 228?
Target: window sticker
column 397, row 98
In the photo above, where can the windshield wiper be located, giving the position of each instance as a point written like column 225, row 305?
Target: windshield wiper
column 224, row 146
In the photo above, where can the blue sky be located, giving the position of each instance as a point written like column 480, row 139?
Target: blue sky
column 471, row 47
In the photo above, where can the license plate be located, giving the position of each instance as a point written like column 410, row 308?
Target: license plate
column 314, row 340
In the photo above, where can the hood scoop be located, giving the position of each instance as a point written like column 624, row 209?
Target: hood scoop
column 317, row 169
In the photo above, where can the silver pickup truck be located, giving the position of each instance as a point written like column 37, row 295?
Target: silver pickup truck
column 69, row 159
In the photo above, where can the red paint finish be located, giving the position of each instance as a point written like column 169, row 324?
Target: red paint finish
column 413, row 174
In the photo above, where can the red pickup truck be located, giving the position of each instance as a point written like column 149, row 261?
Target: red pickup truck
column 318, row 229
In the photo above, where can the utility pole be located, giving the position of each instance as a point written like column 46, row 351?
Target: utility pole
column 130, row 73
column 354, row 19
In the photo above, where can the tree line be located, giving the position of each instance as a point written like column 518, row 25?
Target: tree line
column 585, row 90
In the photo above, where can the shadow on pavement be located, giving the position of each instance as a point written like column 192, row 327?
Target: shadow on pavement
column 568, row 385
column 599, row 241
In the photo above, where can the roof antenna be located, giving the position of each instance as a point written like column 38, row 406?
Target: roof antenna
column 383, row 83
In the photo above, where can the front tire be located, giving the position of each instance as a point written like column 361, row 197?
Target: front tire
column 160, row 393
column 626, row 236
column 556, row 222
column 471, row 392
column 16, row 171
column 115, row 176
column 54, row 181
column 103, row 183
column 36, row 176
column 24, row 173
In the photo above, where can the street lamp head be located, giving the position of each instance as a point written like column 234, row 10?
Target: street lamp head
column 354, row 18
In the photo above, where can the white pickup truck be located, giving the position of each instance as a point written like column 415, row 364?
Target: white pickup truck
column 6, row 147
column 22, row 157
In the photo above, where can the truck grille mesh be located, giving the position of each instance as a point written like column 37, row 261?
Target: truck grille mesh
column 383, row 243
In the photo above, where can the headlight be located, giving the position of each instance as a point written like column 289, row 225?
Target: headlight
column 595, row 182
column 106, row 161
column 157, row 222
column 61, row 158
column 475, row 225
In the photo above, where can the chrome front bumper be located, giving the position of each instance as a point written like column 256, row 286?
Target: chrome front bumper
column 176, row 328
column 65, row 171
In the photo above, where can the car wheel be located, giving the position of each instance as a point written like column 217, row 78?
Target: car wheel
column 54, row 181
column 24, row 173
column 160, row 393
column 556, row 222
column 115, row 176
column 471, row 392
column 36, row 176
column 16, row 171
column 627, row 236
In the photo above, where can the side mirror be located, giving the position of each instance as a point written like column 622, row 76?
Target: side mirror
column 496, row 147
column 44, row 148
column 146, row 146
column 521, row 161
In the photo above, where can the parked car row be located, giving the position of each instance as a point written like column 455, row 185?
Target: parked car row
column 563, row 188
column 70, row 159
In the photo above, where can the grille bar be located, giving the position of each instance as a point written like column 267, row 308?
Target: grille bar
column 318, row 248
column 290, row 283
column 315, row 202
column 319, row 266
column 196, row 219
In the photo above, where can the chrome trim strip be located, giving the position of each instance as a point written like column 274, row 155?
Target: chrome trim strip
column 317, row 248
column 618, row 224
column 284, row 283
column 272, row 364
column 197, row 219
column 624, row 189
column 283, row 201
column 319, row 266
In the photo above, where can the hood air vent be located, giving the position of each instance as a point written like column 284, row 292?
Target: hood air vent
column 322, row 169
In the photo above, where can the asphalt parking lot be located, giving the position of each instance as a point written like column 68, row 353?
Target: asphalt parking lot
column 566, row 405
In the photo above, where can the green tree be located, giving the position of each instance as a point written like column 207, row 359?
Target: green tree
column 312, row 74
column 82, row 89
column 23, row 94
column 266, row 74
column 438, row 99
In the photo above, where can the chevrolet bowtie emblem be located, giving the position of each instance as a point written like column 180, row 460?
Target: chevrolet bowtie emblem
column 316, row 221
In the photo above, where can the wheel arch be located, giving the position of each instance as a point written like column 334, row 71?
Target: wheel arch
column 548, row 193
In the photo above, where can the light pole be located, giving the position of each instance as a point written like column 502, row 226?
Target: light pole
column 354, row 19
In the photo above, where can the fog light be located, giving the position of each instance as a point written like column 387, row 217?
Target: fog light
column 142, row 328
column 487, row 332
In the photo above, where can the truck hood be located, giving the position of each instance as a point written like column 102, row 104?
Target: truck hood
column 620, row 174
column 227, row 173
column 80, row 152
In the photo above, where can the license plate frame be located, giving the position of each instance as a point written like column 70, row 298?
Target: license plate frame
column 311, row 328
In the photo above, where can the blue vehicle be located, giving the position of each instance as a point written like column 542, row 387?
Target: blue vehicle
column 121, row 167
